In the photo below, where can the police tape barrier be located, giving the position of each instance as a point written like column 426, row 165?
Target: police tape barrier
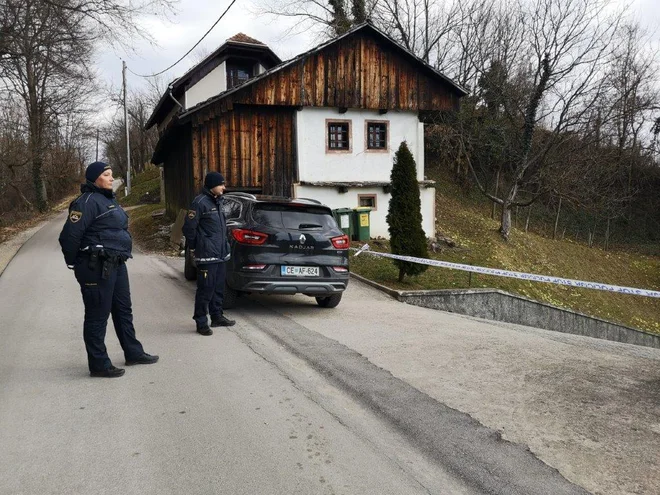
column 519, row 275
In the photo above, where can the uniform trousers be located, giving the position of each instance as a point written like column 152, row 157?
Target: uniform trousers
column 102, row 298
column 210, row 292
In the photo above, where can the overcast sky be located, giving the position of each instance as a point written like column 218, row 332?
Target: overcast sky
column 194, row 17
column 174, row 37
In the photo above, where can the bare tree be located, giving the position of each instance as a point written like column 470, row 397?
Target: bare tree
column 424, row 27
column 143, row 142
column 328, row 17
column 553, row 80
column 632, row 98
column 14, row 156
column 45, row 58
column 50, row 65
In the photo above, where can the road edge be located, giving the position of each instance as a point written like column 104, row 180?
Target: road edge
column 10, row 248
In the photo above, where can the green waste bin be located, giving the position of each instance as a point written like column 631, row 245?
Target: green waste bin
column 361, row 224
column 344, row 218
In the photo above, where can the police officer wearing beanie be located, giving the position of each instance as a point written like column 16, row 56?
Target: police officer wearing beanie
column 96, row 244
column 205, row 230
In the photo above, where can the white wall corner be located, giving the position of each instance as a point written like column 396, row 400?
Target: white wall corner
column 420, row 151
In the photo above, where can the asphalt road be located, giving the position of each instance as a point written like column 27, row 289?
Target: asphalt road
column 366, row 398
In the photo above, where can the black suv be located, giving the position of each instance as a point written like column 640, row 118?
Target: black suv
column 282, row 246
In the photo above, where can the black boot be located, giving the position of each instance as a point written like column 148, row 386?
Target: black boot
column 144, row 359
column 222, row 321
column 110, row 372
column 205, row 331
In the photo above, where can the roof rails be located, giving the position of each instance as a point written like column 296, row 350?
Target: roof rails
column 242, row 194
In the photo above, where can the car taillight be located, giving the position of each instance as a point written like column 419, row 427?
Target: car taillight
column 340, row 269
column 340, row 242
column 249, row 236
column 254, row 267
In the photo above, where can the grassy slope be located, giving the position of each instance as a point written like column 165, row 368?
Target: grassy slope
column 467, row 221
column 147, row 181
column 150, row 233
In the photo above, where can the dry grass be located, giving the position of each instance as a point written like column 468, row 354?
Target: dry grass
column 151, row 234
column 14, row 223
column 143, row 185
column 467, row 221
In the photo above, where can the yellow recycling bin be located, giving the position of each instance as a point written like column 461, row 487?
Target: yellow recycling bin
column 361, row 224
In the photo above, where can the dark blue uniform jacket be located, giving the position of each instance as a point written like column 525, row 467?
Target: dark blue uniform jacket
column 205, row 229
column 95, row 221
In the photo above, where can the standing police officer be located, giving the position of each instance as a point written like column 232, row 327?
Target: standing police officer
column 205, row 230
column 96, row 244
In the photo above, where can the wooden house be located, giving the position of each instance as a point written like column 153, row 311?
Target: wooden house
column 325, row 124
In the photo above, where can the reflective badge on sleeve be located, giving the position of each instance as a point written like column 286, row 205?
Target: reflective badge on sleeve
column 191, row 214
column 74, row 216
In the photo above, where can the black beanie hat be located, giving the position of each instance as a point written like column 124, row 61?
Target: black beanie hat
column 94, row 170
column 213, row 179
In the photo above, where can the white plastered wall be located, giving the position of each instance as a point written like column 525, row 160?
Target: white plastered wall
column 213, row 83
column 378, row 224
column 317, row 165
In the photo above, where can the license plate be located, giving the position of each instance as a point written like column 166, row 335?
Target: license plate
column 300, row 271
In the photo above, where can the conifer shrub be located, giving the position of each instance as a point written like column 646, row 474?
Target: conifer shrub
column 404, row 215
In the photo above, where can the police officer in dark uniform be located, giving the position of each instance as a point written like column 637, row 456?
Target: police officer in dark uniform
column 205, row 230
column 96, row 244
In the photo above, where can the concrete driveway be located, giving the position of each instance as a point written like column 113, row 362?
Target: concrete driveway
column 589, row 408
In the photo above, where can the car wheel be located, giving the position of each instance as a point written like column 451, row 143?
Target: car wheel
column 189, row 268
column 229, row 298
column 330, row 301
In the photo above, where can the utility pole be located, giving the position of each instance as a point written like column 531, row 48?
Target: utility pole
column 128, row 147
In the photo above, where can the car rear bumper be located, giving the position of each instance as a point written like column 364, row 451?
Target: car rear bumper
column 296, row 287
column 263, row 283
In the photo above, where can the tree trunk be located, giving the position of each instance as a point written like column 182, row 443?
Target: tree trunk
column 35, row 119
column 505, row 227
column 526, row 145
column 401, row 274
column 497, row 187
column 39, row 184
column 607, row 235
column 515, row 218
column 554, row 232
column 529, row 210
column 507, row 205
column 22, row 196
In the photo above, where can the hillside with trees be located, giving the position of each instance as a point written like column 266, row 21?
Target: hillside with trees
column 50, row 93
column 559, row 135
column 563, row 111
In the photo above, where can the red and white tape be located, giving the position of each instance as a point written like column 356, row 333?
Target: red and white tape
column 519, row 275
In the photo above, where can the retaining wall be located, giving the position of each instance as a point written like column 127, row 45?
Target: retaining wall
column 493, row 304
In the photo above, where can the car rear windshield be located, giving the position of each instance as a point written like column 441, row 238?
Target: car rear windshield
column 293, row 217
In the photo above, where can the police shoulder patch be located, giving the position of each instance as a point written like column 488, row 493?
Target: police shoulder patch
column 74, row 216
column 191, row 214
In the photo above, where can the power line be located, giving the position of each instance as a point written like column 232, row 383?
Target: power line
column 188, row 52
